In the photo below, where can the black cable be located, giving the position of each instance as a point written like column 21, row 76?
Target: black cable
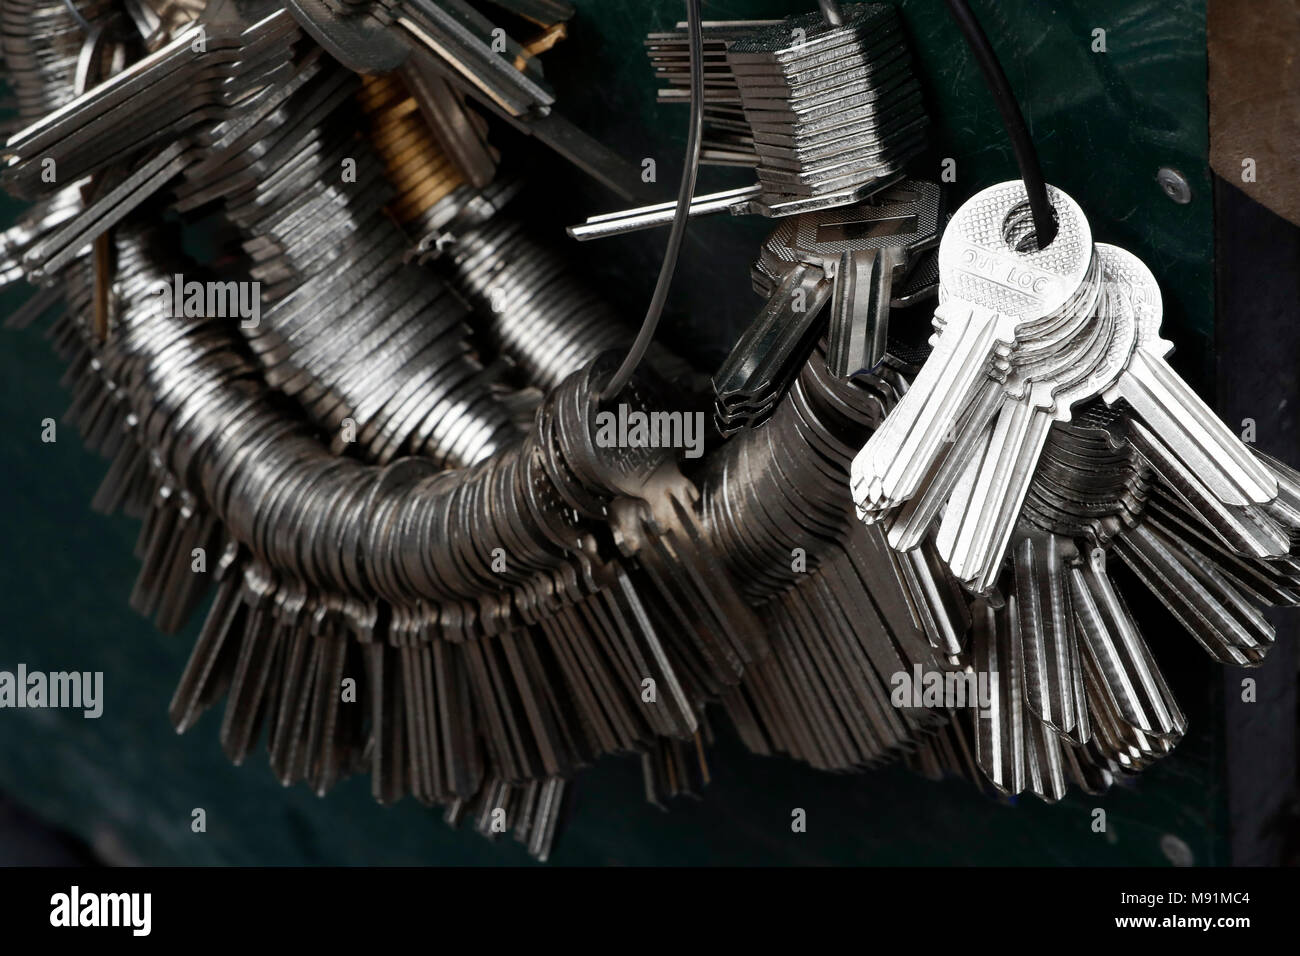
column 639, row 347
column 1012, row 119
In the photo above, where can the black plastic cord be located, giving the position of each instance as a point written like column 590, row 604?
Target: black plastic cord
column 1012, row 119
column 656, row 310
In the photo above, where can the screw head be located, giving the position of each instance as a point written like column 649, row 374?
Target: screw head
column 1175, row 185
column 1176, row 851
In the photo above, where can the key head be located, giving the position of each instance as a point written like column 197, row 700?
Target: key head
column 359, row 41
column 1134, row 280
column 808, row 39
column 1125, row 292
column 608, row 470
column 988, row 258
column 903, row 218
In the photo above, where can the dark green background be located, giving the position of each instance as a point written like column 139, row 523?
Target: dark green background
column 1104, row 122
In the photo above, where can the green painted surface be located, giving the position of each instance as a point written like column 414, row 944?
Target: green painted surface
column 126, row 782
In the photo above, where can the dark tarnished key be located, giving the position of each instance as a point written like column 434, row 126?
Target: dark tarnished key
column 865, row 248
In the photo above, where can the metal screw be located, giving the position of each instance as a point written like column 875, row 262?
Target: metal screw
column 1175, row 185
column 1176, row 851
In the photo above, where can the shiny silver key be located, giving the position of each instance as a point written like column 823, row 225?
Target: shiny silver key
column 995, row 295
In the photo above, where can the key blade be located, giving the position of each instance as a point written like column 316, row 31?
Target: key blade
column 1248, row 529
column 890, row 467
column 914, row 519
column 859, row 323
column 775, row 345
column 1197, row 436
column 976, row 528
column 1120, row 656
column 620, row 223
column 1203, row 601
column 1050, row 646
column 1000, row 734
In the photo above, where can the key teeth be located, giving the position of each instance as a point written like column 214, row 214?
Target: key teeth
column 1209, row 606
column 1000, row 735
column 1211, row 451
column 1118, row 659
column 1050, row 644
column 1284, row 510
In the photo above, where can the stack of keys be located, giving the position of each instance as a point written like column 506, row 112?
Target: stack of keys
column 1022, row 336
column 849, row 257
column 857, row 615
column 139, row 129
column 727, row 139
column 819, row 108
column 834, row 109
column 198, row 78
column 827, row 113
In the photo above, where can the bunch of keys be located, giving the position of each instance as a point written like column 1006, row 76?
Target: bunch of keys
column 196, row 79
column 527, row 670
column 841, row 628
column 727, row 139
column 1022, row 336
column 1044, row 435
column 982, row 459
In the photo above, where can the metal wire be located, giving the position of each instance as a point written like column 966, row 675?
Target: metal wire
column 1014, row 121
column 76, row 15
column 689, row 174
